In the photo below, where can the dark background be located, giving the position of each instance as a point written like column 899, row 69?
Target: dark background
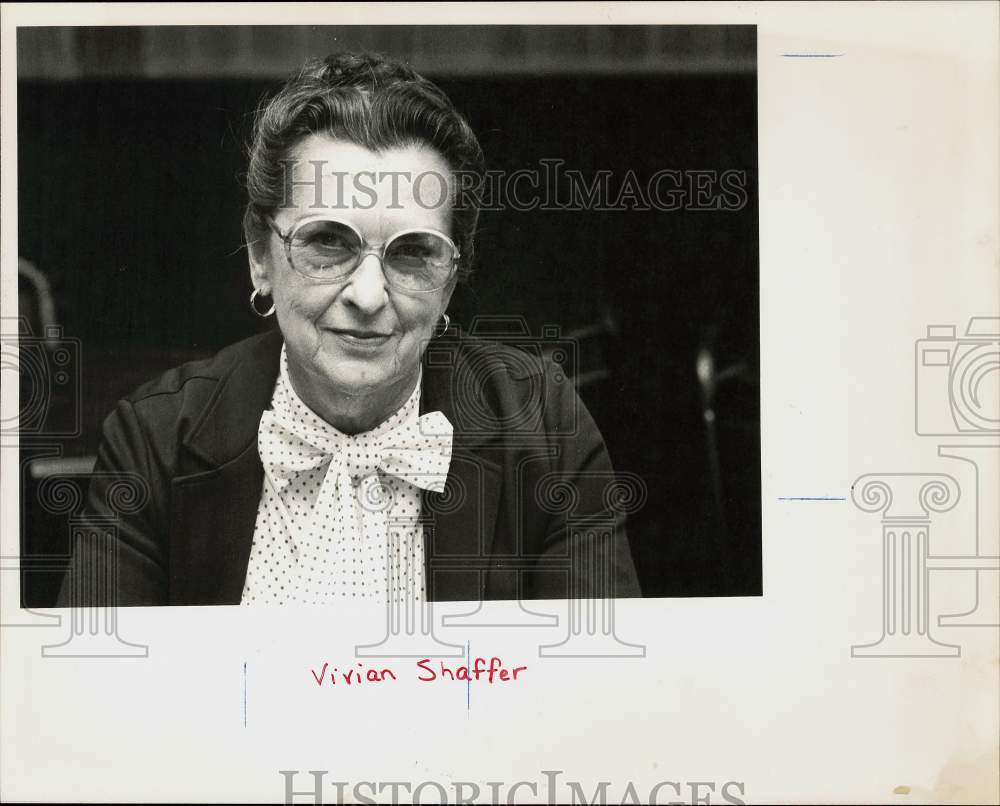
column 130, row 201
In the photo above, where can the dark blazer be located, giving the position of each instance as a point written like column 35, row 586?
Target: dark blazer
column 529, row 508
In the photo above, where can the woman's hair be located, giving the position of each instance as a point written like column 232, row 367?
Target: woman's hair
column 374, row 102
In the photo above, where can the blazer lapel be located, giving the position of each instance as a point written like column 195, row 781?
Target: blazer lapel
column 214, row 507
column 460, row 522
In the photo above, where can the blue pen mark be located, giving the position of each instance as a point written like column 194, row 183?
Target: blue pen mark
column 244, row 694
column 468, row 680
column 812, row 55
column 812, row 498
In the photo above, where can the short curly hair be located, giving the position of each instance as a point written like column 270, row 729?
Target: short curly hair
column 372, row 101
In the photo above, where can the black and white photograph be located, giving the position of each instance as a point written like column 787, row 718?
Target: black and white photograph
column 444, row 312
column 587, row 403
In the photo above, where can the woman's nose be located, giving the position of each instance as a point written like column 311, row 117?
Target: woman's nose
column 367, row 289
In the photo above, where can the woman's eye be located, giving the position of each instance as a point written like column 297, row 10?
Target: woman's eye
column 412, row 251
column 330, row 240
column 324, row 237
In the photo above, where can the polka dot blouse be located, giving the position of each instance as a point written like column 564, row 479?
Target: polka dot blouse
column 339, row 514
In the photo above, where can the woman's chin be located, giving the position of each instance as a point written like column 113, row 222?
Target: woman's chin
column 355, row 377
column 353, row 374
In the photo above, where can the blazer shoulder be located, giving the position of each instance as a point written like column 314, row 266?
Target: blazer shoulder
column 212, row 405
column 199, row 377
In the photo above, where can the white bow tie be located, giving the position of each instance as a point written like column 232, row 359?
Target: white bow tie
column 418, row 452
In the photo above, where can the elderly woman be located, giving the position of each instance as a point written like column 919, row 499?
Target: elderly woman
column 359, row 450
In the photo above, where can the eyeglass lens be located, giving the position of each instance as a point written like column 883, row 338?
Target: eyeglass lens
column 328, row 249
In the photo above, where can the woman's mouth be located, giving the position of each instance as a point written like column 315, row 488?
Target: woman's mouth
column 361, row 339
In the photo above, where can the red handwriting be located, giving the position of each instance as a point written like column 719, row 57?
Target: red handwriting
column 480, row 669
column 351, row 676
column 473, row 672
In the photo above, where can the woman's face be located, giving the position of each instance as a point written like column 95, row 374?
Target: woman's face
column 357, row 335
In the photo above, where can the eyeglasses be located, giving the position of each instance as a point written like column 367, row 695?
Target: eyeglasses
column 414, row 261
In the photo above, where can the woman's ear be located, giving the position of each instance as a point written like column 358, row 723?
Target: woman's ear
column 260, row 266
column 446, row 294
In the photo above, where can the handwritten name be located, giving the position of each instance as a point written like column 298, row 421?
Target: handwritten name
column 491, row 671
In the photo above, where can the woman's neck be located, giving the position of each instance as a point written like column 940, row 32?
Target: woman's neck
column 352, row 413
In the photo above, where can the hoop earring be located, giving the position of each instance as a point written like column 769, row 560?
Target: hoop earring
column 253, row 305
column 442, row 331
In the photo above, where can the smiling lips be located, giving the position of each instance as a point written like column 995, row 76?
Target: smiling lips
column 361, row 338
